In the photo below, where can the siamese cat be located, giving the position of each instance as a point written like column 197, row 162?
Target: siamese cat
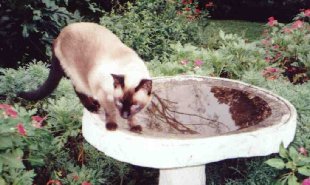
column 106, row 74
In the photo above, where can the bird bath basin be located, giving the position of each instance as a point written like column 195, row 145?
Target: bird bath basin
column 193, row 121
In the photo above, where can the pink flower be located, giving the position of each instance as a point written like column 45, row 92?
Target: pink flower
column 197, row 10
column 21, row 129
column 307, row 12
column 37, row 121
column 184, row 62
column 86, row 183
column 271, row 69
column 272, row 21
column 5, row 106
column 306, row 181
column 297, row 24
column 198, row 63
column 287, row 30
column 11, row 112
column 265, row 42
column 37, row 118
column 303, row 151
column 276, row 46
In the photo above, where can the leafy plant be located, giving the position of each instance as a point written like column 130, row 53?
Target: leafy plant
column 23, row 142
column 296, row 163
column 27, row 29
column 232, row 59
column 149, row 27
column 287, row 47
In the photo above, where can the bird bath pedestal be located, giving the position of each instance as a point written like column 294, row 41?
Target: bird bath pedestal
column 193, row 121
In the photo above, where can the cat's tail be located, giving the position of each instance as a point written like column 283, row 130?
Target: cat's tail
column 52, row 81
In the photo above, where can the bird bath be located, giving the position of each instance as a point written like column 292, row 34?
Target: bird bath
column 193, row 121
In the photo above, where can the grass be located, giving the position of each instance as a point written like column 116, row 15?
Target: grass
column 249, row 30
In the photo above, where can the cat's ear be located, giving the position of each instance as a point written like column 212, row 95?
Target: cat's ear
column 145, row 84
column 118, row 80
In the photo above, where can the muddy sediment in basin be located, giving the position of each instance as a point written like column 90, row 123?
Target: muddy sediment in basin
column 202, row 108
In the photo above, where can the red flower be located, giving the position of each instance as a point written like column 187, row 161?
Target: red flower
column 306, row 181
column 37, row 121
column 37, row 118
column 272, row 21
column 86, row 183
column 21, row 129
column 187, row 9
column 210, row 4
column 197, row 10
column 11, row 112
column 307, row 12
column 297, row 24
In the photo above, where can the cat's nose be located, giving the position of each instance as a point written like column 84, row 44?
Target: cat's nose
column 125, row 115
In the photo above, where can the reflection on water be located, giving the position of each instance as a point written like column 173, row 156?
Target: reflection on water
column 199, row 108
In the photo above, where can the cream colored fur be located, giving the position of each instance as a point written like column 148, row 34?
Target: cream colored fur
column 90, row 53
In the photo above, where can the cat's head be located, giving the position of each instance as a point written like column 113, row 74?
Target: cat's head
column 131, row 100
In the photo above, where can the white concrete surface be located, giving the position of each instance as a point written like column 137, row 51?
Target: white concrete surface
column 171, row 154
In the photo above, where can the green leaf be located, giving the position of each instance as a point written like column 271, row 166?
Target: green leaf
column 283, row 152
column 276, row 163
column 293, row 154
column 305, row 170
column 303, row 160
column 13, row 159
column 292, row 180
column 5, row 142
column 290, row 165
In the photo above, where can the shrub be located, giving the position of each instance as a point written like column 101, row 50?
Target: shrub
column 287, row 47
column 24, row 145
column 149, row 27
column 231, row 60
column 56, row 152
column 28, row 28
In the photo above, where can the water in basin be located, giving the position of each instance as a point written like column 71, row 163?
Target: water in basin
column 195, row 108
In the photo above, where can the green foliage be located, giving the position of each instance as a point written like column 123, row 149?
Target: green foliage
column 27, row 28
column 232, row 59
column 294, row 162
column 64, row 119
column 21, row 144
column 287, row 47
column 150, row 27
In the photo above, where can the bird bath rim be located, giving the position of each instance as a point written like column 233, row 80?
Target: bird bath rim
column 176, row 152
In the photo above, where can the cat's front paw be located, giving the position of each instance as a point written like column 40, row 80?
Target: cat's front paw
column 112, row 126
column 136, row 128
